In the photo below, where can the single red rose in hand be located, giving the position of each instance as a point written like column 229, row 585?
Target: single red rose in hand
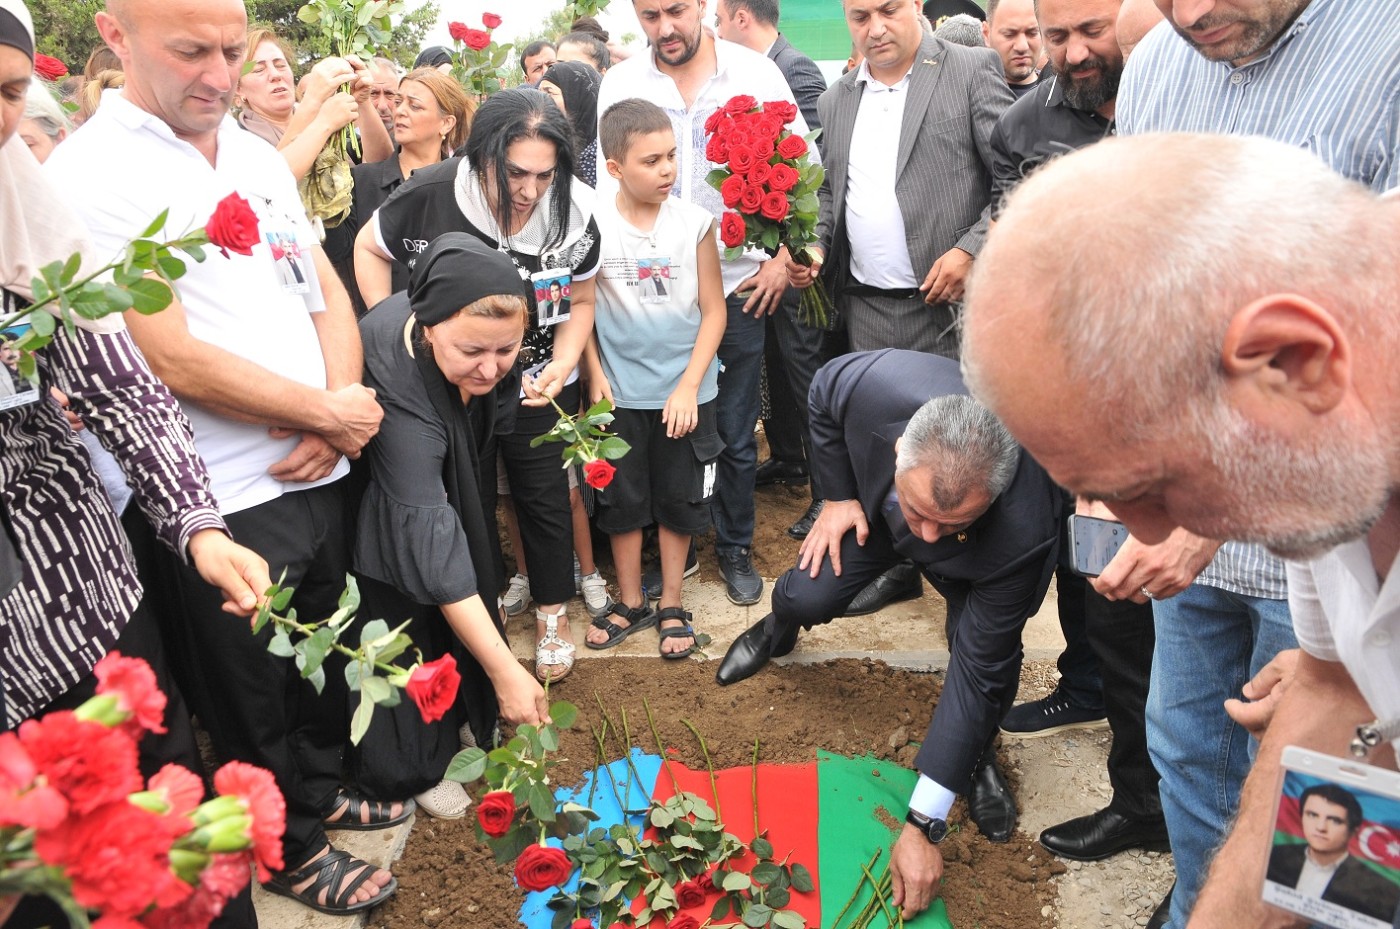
column 260, row 796
column 233, row 227
column 717, row 150
column 22, row 802
column 730, row 190
column 684, row 921
column 774, row 206
column 458, row 31
column 706, row 882
column 759, row 174
column 731, row 230
column 689, row 894
column 490, row 20
column 751, row 200
column 783, row 178
column 133, row 683
column 741, row 159
column 540, row 867
column 783, row 109
column 793, row 147
column 740, row 104
column 495, row 812
column 712, row 122
column 87, row 762
column 433, row 687
column 476, row 40
column 598, row 473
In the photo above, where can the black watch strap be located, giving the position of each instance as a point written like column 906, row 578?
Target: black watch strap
column 933, row 829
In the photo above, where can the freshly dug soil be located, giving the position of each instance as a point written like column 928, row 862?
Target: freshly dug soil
column 449, row 880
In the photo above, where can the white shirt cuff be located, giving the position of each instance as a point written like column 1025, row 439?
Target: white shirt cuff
column 931, row 798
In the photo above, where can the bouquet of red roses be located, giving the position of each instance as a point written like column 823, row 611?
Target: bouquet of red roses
column 769, row 186
column 478, row 62
column 77, row 825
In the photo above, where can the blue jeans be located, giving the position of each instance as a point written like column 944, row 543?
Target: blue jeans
column 736, row 414
column 1209, row 643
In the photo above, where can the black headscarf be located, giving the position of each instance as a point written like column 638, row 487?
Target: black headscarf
column 579, row 85
column 455, row 271
column 16, row 28
column 433, row 56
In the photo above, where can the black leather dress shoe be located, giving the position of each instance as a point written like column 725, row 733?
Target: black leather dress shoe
column 752, row 649
column 774, row 471
column 1107, row 832
column 990, row 804
column 902, row 582
column 1159, row 916
column 799, row 529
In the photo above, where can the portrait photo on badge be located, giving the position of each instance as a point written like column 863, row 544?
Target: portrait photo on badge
column 552, row 295
column 15, row 390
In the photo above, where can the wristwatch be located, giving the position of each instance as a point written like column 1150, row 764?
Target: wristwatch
column 933, row 829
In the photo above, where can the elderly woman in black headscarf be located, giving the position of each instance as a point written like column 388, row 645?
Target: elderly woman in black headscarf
column 573, row 86
column 441, row 359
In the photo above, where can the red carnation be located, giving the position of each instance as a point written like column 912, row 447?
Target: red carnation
column 760, row 173
column 433, row 687
column 740, row 105
column 264, row 803
column 22, row 802
column 793, row 147
column 774, row 206
column 730, row 190
column 717, row 150
column 689, row 894
column 741, row 159
column 598, row 473
column 540, row 867
column 458, row 31
column 490, row 20
column 133, row 683
column 233, row 227
column 222, row 878
column 87, row 762
column 713, row 121
column 495, row 812
column 181, row 789
column 476, row 40
column 116, row 859
column 783, row 178
column 684, row 921
column 731, row 230
column 785, row 110
column 751, row 200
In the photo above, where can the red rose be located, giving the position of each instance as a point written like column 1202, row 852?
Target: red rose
column 433, row 687
column 689, row 894
column 490, row 20
column 458, row 31
column 598, row 473
column 741, row 159
column 540, row 867
column 731, row 230
column 793, row 147
column 763, row 148
column 751, row 200
column 476, row 40
column 87, row 762
column 759, row 174
column 495, row 813
column 705, row 882
column 260, row 796
column 740, row 105
column 730, row 190
column 712, row 122
column 22, row 803
column 684, row 921
column 717, row 150
column 581, row 924
column 133, row 683
column 774, row 206
column 50, row 69
column 783, row 178
column 116, row 859
column 783, row 109
column 772, row 126
column 233, row 227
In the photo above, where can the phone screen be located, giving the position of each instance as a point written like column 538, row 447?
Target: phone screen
column 1094, row 543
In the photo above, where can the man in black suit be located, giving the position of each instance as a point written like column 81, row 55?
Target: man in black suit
column 915, row 469
column 1324, row 867
column 793, row 351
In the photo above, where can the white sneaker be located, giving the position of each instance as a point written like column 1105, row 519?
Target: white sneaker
column 517, row 596
column 446, row 800
column 595, row 594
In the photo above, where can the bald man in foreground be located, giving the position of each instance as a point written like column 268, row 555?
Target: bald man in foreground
column 1249, row 395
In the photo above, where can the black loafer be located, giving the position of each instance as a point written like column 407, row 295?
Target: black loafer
column 774, row 471
column 990, row 804
column 754, row 646
column 1105, row 833
column 902, row 582
column 742, row 584
column 799, row 529
column 1159, row 916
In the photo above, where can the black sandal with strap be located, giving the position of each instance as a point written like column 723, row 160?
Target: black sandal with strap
column 638, row 617
column 331, row 871
column 352, row 817
column 674, row 632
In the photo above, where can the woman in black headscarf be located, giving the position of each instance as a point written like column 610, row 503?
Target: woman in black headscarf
column 573, row 86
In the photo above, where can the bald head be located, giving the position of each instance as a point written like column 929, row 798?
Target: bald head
column 1135, row 19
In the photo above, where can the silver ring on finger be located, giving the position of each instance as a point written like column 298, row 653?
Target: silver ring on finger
column 1148, row 594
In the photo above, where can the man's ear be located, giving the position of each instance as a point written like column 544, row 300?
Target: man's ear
column 113, row 33
column 1289, row 346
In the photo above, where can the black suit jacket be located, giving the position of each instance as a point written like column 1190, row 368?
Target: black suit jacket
column 1354, row 886
column 803, row 76
column 994, row 575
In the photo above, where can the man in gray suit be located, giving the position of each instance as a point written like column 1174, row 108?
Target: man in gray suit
column 901, row 225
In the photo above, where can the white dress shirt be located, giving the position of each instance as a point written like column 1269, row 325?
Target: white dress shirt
column 874, row 223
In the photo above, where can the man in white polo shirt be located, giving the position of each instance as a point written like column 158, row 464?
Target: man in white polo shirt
column 267, row 369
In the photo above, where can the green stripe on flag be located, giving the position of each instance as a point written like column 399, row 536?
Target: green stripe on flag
column 862, row 806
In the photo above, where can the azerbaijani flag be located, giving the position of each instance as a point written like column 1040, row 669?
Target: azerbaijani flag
column 831, row 815
column 1376, row 843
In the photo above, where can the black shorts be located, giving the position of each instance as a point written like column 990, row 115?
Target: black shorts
column 661, row 480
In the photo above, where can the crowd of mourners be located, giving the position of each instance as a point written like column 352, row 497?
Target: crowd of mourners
column 1139, row 321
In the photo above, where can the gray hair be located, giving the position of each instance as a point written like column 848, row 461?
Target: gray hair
column 1201, row 226
column 964, row 445
column 962, row 29
column 41, row 106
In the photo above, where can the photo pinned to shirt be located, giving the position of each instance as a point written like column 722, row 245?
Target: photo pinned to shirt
column 290, row 261
column 553, row 287
column 1334, row 858
column 654, row 279
column 15, row 389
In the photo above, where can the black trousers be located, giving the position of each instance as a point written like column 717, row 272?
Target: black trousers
column 1078, row 665
column 254, row 705
column 1121, row 634
column 539, row 487
column 793, row 353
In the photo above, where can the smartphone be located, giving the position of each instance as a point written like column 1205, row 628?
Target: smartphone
column 1093, row 542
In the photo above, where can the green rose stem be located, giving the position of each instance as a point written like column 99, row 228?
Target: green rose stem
column 884, row 904
column 882, row 888
column 589, row 449
column 599, row 739
column 756, row 833
column 714, row 784
column 356, row 653
column 856, row 893
column 660, row 749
